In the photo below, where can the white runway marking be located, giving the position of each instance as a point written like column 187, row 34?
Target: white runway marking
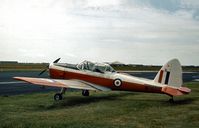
column 196, row 80
column 13, row 82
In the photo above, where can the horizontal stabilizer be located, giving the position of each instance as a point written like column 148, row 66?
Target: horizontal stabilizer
column 176, row 91
column 184, row 90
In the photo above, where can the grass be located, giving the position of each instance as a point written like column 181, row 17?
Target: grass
column 101, row 109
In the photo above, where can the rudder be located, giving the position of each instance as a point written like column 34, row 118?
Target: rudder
column 170, row 74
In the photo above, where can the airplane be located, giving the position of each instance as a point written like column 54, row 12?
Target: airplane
column 88, row 76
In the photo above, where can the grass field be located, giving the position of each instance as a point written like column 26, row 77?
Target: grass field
column 101, row 109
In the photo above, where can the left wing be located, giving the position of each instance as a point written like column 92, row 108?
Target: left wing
column 75, row 84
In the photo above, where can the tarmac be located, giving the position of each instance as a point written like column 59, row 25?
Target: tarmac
column 10, row 86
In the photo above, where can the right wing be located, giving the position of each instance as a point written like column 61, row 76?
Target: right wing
column 75, row 84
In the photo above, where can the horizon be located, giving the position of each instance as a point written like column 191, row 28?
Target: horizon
column 80, row 62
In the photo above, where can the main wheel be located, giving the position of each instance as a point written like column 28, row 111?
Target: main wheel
column 58, row 96
column 85, row 92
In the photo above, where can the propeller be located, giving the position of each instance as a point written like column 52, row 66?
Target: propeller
column 56, row 61
column 43, row 71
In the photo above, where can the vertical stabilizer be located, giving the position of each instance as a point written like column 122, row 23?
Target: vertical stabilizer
column 170, row 74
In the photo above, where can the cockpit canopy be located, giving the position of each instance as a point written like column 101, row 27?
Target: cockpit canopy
column 95, row 67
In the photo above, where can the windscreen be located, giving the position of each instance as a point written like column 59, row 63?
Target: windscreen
column 95, row 67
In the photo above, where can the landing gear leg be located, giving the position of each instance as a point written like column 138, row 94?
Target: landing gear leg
column 171, row 100
column 85, row 92
column 63, row 90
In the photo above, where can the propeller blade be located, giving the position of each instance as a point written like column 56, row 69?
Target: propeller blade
column 42, row 72
column 57, row 60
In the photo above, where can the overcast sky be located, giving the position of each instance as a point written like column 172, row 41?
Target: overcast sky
column 129, row 31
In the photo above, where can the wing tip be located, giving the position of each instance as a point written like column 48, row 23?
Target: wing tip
column 17, row 78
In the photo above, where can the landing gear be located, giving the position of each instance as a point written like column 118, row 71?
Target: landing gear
column 58, row 96
column 85, row 93
column 171, row 100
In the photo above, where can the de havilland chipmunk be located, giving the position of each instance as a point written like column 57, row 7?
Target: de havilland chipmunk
column 88, row 76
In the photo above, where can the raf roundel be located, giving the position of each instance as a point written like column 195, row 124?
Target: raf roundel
column 117, row 82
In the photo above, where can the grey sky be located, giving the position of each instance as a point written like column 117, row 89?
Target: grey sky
column 130, row 31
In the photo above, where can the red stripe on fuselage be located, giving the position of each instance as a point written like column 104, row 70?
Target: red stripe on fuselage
column 126, row 86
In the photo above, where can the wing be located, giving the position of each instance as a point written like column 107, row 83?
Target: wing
column 75, row 84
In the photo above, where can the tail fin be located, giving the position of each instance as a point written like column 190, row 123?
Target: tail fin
column 170, row 74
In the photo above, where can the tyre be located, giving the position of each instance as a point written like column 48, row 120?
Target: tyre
column 85, row 92
column 58, row 96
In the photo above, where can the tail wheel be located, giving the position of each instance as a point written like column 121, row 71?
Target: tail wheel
column 58, row 96
column 171, row 100
column 85, row 92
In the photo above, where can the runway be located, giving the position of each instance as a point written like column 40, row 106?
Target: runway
column 9, row 86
